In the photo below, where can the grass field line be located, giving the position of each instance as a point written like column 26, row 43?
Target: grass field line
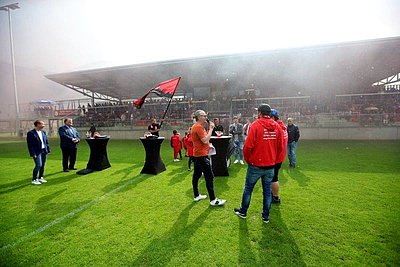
column 68, row 215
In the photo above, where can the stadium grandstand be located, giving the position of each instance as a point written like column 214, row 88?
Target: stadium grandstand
column 333, row 87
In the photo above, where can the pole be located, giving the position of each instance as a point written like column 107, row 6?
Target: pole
column 17, row 118
column 17, row 126
column 169, row 103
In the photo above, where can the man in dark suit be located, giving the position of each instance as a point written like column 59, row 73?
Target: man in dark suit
column 38, row 146
column 69, row 139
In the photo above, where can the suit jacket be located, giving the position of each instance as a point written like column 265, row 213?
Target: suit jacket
column 66, row 134
column 34, row 143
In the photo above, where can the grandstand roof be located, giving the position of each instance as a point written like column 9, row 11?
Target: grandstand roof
column 335, row 68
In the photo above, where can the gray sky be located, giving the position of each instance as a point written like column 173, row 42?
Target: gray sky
column 66, row 35
column 53, row 36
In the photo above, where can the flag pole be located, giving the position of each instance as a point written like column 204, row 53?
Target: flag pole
column 169, row 103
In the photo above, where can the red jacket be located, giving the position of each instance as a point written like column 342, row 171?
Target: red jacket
column 264, row 143
column 189, row 143
column 282, row 155
column 176, row 141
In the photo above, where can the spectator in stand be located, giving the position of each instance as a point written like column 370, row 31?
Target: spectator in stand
column 236, row 130
column 38, row 146
column 69, row 139
column 154, row 127
column 202, row 165
column 263, row 144
column 279, row 157
column 176, row 145
column 293, row 138
column 218, row 127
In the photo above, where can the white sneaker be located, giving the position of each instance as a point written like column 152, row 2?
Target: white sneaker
column 36, row 182
column 236, row 161
column 176, row 160
column 42, row 180
column 241, row 162
column 199, row 197
column 217, row 202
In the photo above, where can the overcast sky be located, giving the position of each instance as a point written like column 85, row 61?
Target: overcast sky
column 66, row 35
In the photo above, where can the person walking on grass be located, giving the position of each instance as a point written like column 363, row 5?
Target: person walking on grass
column 262, row 145
column 280, row 158
column 176, row 145
column 202, row 164
column 38, row 146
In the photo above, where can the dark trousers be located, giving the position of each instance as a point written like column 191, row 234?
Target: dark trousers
column 68, row 154
column 276, row 172
column 202, row 166
column 191, row 159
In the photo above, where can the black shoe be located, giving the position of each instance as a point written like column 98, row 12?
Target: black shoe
column 276, row 200
column 239, row 213
column 65, row 170
column 72, row 168
column 265, row 220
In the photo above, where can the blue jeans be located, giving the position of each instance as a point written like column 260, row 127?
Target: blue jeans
column 238, row 149
column 291, row 148
column 40, row 161
column 252, row 176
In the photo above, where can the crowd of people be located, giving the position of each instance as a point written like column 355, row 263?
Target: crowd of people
column 359, row 109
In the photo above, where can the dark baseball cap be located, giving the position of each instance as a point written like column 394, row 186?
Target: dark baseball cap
column 265, row 109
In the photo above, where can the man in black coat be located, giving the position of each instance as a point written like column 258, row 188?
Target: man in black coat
column 69, row 139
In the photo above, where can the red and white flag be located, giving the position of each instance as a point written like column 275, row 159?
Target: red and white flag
column 164, row 89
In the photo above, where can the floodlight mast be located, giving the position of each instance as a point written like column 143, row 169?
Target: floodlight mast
column 8, row 8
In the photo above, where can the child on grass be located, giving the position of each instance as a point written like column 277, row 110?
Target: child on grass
column 189, row 144
column 176, row 145
column 184, row 142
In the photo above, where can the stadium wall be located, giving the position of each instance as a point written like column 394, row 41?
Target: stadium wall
column 360, row 133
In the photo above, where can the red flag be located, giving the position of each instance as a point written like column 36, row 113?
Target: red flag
column 164, row 89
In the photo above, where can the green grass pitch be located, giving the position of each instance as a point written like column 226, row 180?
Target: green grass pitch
column 339, row 207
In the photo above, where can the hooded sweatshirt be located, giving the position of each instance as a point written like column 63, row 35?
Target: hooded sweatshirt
column 282, row 155
column 264, row 143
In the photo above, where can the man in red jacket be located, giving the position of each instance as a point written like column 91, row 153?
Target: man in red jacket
column 261, row 148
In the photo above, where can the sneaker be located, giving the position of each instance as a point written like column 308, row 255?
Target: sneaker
column 188, row 169
column 199, row 197
column 265, row 220
column 241, row 162
column 65, row 170
column 42, row 180
column 239, row 213
column 36, row 181
column 236, row 161
column 217, row 202
column 176, row 160
column 276, row 200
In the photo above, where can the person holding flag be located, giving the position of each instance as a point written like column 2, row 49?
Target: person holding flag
column 154, row 127
column 165, row 89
